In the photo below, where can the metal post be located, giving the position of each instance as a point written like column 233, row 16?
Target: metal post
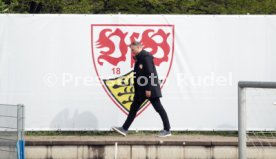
column 23, row 122
column 20, row 121
column 242, row 122
column 242, row 110
column 20, row 129
column 17, row 124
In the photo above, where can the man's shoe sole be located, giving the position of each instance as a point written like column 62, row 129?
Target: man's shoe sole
column 165, row 135
column 118, row 131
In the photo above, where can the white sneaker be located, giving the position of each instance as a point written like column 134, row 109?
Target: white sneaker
column 165, row 133
column 120, row 130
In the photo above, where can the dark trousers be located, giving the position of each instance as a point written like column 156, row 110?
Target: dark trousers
column 158, row 108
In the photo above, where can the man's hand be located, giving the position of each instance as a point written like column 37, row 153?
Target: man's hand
column 148, row 93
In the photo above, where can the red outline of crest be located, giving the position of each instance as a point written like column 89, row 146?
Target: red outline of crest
column 142, row 25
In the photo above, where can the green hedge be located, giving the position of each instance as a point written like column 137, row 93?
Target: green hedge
column 139, row 6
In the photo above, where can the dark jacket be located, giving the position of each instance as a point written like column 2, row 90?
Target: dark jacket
column 143, row 69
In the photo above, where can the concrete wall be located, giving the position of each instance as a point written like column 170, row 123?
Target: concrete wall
column 146, row 152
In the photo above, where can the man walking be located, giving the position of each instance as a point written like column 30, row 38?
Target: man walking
column 146, row 86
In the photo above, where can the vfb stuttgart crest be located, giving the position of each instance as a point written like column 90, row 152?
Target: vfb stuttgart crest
column 113, row 60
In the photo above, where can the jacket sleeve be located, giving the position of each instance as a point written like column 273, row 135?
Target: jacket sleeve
column 149, row 70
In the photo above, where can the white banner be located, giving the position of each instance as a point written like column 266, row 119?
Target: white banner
column 59, row 67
